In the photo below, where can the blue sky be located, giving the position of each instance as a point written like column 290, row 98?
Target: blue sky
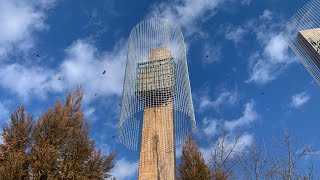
column 251, row 84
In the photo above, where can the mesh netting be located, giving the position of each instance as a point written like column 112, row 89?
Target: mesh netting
column 302, row 32
column 156, row 75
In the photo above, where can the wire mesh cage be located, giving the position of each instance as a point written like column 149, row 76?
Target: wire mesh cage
column 156, row 75
column 302, row 32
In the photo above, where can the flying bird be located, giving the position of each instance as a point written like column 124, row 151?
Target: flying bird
column 59, row 78
column 104, row 72
column 207, row 56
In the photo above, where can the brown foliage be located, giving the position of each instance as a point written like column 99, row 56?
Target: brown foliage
column 192, row 165
column 56, row 146
column 17, row 138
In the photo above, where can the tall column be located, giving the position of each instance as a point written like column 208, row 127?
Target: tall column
column 309, row 40
column 155, row 85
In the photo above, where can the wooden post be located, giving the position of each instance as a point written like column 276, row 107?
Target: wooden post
column 156, row 85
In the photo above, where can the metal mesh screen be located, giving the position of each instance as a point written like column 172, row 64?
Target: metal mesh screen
column 156, row 75
column 302, row 32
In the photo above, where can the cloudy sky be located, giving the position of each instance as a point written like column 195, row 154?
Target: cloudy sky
column 251, row 84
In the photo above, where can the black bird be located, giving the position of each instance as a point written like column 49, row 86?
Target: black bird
column 262, row 93
column 114, row 136
column 59, row 78
column 104, row 72
column 207, row 56
column 37, row 55
column 95, row 94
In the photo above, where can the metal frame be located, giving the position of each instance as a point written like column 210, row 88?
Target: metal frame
column 150, row 34
column 308, row 17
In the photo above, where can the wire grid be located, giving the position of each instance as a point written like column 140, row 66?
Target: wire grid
column 147, row 37
column 295, row 31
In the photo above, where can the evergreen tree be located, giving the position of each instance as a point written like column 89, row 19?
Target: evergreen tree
column 192, row 165
column 56, row 146
column 62, row 147
column 14, row 160
column 49, row 138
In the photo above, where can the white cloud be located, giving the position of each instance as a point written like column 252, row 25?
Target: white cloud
column 277, row 50
column 19, row 23
column 299, row 99
column 210, row 126
column 231, row 145
column 189, row 13
column 267, row 14
column 26, row 81
column 268, row 65
column 240, row 143
column 125, row 169
column 186, row 12
column 249, row 115
column 225, row 97
column 272, row 57
column 260, row 70
column 244, row 141
column 19, row 20
column 235, row 34
column 85, row 64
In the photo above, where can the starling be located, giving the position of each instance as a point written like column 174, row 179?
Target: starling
column 104, row 72
column 207, row 56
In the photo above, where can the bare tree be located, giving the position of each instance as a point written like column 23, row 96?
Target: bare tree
column 284, row 166
column 255, row 162
column 258, row 164
column 223, row 159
